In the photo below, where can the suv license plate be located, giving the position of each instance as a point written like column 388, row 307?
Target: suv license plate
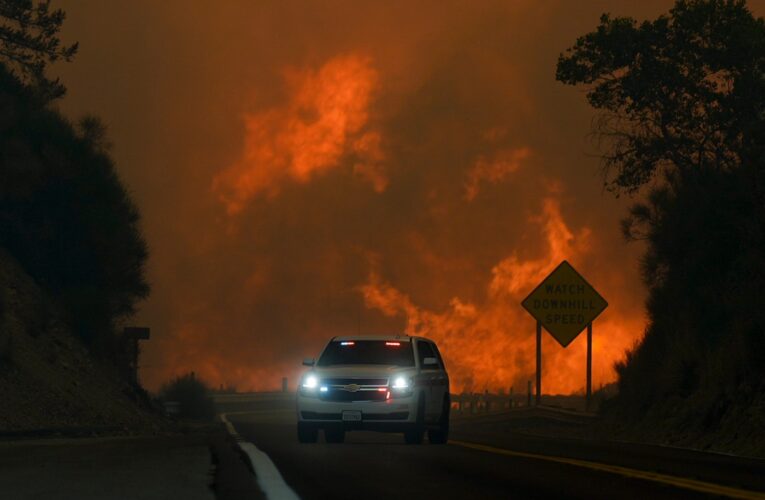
column 351, row 416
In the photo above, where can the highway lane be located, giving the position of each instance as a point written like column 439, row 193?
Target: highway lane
column 374, row 465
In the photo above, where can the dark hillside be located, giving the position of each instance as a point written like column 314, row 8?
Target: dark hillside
column 682, row 120
column 700, row 369
column 48, row 379
column 71, row 252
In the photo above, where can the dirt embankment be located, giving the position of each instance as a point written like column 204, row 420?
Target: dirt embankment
column 735, row 427
column 48, row 380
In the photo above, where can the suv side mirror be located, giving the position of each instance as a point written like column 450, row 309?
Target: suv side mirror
column 309, row 361
column 430, row 362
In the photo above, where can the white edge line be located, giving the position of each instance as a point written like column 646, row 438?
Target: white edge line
column 268, row 476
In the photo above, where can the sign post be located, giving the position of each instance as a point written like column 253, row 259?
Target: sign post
column 539, row 364
column 564, row 304
column 589, row 364
column 134, row 334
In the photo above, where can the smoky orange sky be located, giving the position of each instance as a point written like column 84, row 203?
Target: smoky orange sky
column 310, row 169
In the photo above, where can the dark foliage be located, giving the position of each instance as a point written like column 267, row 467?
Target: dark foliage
column 65, row 215
column 29, row 41
column 704, row 265
column 192, row 395
column 682, row 102
column 685, row 91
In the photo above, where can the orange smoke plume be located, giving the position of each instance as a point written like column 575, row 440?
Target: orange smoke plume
column 324, row 121
column 493, row 169
column 492, row 345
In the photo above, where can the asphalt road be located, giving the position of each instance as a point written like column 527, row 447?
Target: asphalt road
column 486, row 458
column 119, row 468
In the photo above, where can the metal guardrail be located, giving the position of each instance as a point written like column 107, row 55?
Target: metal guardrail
column 464, row 403
column 485, row 402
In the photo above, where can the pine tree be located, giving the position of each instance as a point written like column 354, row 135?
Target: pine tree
column 29, row 41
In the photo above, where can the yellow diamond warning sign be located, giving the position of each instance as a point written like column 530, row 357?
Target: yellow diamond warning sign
column 564, row 303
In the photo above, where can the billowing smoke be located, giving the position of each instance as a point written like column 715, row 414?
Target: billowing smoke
column 323, row 122
column 316, row 169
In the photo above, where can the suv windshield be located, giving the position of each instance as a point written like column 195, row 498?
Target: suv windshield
column 367, row 352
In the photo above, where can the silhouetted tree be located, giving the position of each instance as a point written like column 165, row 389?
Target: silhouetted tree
column 65, row 215
column 29, row 41
column 682, row 110
column 685, row 91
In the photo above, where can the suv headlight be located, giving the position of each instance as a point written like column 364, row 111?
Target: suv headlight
column 311, row 381
column 401, row 386
column 309, row 385
column 402, row 383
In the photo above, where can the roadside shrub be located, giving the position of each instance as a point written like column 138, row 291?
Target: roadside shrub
column 192, row 396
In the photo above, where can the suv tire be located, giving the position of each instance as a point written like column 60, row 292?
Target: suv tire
column 334, row 435
column 440, row 435
column 307, row 433
column 417, row 432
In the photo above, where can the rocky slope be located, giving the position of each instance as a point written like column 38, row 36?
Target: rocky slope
column 48, row 380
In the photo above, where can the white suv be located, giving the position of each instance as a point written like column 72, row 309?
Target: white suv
column 384, row 383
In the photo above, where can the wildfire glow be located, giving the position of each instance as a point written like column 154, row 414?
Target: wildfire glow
column 385, row 190
column 492, row 345
column 324, row 121
column 493, row 169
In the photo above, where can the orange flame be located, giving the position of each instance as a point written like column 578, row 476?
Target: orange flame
column 323, row 121
column 492, row 345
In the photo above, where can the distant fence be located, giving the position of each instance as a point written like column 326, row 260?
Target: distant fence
column 484, row 402
column 465, row 403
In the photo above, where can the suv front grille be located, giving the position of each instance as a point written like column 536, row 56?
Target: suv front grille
column 341, row 395
column 354, row 389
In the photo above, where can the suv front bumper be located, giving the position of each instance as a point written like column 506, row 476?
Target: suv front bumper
column 393, row 415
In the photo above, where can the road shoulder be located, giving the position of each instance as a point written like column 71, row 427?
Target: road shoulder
column 200, row 465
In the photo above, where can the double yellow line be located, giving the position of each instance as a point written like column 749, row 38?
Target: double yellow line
column 679, row 482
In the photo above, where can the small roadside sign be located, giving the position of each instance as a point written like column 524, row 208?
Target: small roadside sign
column 564, row 303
